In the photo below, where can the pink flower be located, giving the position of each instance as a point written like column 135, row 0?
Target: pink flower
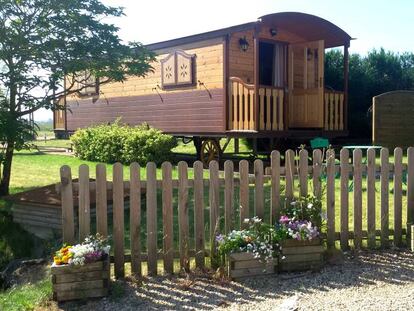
column 284, row 219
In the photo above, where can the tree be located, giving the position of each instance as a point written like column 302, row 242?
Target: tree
column 44, row 43
column 378, row 72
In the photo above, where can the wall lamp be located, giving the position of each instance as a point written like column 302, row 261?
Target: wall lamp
column 273, row 32
column 244, row 45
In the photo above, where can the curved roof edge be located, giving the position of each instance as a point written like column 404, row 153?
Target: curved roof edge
column 308, row 26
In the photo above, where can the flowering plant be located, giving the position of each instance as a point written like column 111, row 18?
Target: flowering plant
column 259, row 239
column 301, row 230
column 301, row 219
column 94, row 248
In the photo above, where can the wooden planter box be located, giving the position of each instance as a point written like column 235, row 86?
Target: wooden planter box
column 242, row 265
column 301, row 255
column 80, row 282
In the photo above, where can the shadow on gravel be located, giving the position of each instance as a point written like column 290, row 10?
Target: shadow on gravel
column 200, row 293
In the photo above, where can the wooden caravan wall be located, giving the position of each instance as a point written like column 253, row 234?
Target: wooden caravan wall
column 191, row 109
column 241, row 64
column 393, row 119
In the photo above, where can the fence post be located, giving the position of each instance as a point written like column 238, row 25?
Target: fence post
column 84, row 210
column 385, row 181
column 199, row 230
column 357, row 184
column 118, row 214
column 316, row 173
column 410, row 192
column 289, row 175
column 344, row 199
column 303, row 172
column 101, row 201
column 214, row 200
column 258, row 191
column 228, row 195
column 167, row 217
column 183, row 215
column 371, row 198
column 135, row 218
column 152, row 218
column 244, row 192
column 275, row 195
column 330, row 199
column 68, row 223
column 398, row 169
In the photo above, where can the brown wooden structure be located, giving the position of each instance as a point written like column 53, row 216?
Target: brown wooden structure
column 263, row 79
column 392, row 119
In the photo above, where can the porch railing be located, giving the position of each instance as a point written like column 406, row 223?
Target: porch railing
column 334, row 111
column 270, row 108
column 242, row 115
column 241, row 105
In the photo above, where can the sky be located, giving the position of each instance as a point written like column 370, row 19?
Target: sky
column 373, row 23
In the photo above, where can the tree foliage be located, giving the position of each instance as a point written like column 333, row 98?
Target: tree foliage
column 378, row 72
column 44, row 46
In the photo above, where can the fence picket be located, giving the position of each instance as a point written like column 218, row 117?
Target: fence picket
column 84, row 210
column 152, row 218
column 371, row 197
column 410, row 192
column 167, row 217
column 118, row 219
column 228, row 182
column 199, row 229
column 344, row 157
column 398, row 169
column 275, row 195
column 101, row 201
column 357, row 185
column 330, row 199
column 183, row 215
column 258, row 189
column 135, row 218
column 385, row 181
column 316, row 174
column 244, row 192
column 68, row 221
column 214, row 201
column 303, row 172
column 228, row 196
column 290, row 173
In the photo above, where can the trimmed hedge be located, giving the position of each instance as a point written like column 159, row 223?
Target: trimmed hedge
column 121, row 143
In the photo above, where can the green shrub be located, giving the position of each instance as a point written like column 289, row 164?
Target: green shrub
column 121, row 143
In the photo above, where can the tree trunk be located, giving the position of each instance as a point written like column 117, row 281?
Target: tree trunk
column 5, row 180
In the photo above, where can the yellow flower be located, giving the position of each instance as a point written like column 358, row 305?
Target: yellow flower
column 65, row 259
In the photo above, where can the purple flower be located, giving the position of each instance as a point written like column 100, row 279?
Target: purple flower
column 220, row 239
column 284, row 219
column 93, row 256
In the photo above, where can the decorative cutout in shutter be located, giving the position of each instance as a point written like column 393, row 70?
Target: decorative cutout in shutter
column 168, row 70
column 177, row 69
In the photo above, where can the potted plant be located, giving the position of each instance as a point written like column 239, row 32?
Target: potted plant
column 81, row 271
column 299, row 230
column 249, row 252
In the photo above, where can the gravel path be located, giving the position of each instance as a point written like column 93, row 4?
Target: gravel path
column 380, row 280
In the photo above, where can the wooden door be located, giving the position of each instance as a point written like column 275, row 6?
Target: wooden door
column 306, row 84
column 59, row 116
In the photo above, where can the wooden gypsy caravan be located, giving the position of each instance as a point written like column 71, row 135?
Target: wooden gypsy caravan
column 262, row 80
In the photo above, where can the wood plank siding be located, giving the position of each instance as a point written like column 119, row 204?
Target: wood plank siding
column 392, row 118
column 191, row 109
column 241, row 64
